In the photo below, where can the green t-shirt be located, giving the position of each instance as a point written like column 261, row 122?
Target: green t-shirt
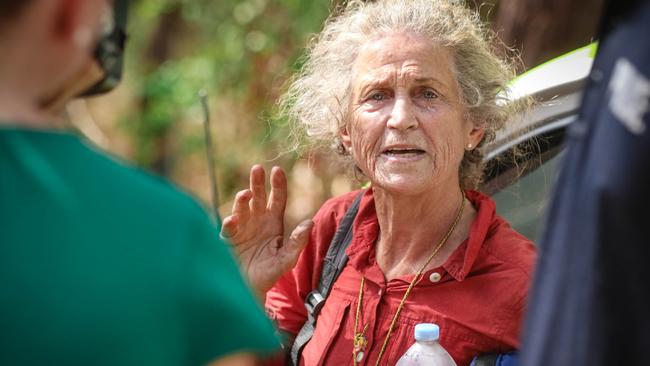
column 103, row 264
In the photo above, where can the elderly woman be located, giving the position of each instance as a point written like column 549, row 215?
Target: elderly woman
column 408, row 91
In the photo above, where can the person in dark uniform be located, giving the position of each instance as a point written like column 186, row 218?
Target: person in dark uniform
column 590, row 303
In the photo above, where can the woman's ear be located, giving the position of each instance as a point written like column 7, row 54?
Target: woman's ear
column 345, row 137
column 475, row 136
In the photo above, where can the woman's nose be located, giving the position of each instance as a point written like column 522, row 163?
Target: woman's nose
column 402, row 116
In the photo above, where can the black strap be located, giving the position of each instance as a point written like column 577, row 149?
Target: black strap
column 485, row 360
column 496, row 359
column 333, row 264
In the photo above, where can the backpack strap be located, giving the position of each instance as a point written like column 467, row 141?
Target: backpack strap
column 494, row 359
column 333, row 264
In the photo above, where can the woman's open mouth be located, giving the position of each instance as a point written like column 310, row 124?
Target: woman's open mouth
column 403, row 153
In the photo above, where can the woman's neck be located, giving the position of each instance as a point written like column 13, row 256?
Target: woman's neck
column 411, row 227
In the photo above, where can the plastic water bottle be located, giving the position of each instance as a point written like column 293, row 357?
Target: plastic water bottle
column 426, row 351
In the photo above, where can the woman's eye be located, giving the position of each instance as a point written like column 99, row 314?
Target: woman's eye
column 429, row 94
column 378, row 96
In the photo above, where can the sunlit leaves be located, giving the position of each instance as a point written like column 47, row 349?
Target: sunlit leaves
column 240, row 51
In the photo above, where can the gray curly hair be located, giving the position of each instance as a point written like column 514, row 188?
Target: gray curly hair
column 317, row 100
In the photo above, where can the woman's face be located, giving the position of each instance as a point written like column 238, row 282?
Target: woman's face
column 407, row 131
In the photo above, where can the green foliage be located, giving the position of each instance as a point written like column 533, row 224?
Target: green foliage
column 240, row 52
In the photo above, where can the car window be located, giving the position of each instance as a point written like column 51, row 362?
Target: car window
column 522, row 161
column 523, row 204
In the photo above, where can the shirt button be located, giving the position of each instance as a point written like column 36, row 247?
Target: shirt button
column 435, row 277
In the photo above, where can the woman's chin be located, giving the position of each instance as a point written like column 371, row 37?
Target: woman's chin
column 402, row 184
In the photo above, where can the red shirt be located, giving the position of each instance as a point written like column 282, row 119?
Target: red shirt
column 477, row 297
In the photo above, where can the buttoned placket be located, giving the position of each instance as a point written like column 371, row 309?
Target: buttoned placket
column 373, row 293
column 379, row 296
column 375, row 299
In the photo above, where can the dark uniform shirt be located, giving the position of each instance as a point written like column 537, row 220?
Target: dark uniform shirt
column 591, row 295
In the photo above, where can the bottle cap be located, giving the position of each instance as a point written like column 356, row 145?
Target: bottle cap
column 427, row 332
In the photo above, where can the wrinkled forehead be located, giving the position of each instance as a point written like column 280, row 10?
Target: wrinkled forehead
column 403, row 57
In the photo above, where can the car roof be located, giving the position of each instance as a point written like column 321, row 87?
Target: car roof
column 556, row 89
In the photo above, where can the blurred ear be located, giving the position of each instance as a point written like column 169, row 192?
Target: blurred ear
column 66, row 20
column 76, row 21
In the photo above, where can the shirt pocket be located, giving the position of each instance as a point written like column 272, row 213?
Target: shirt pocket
column 329, row 323
column 461, row 342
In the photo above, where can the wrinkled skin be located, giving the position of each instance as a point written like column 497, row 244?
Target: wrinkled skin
column 256, row 230
column 407, row 133
column 408, row 128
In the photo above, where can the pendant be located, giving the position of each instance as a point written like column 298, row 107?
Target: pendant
column 360, row 342
column 359, row 356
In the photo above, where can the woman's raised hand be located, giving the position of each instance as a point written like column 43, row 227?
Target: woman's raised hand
column 256, row 230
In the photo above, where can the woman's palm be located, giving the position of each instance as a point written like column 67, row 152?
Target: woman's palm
column 256, row 230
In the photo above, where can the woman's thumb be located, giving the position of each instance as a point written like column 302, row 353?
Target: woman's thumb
column 296, row 243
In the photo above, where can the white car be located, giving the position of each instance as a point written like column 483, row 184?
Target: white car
column 521, row 193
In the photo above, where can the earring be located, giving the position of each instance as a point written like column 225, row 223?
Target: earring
column 469, row 146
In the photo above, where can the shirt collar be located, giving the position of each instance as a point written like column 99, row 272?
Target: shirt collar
column 462, row 260
column 366, row 230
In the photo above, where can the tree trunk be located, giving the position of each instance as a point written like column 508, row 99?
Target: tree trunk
column 158, row 52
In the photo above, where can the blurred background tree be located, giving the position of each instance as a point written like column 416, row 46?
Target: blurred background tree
column 242, row 52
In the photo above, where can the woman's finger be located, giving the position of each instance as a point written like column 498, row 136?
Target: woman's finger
column 240, row 207
column 278, row 197
column 229, row 226
column 258, row 187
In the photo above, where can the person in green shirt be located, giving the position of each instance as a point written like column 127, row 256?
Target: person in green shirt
column 100, row 263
